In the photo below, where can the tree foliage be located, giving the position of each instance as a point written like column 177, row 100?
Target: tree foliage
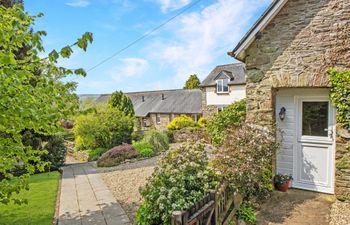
column 33, row 97
column 192, row 82
column 105, row 128
column 232, row 115
column 122, row 102
column 340, row 95
column 9, row 3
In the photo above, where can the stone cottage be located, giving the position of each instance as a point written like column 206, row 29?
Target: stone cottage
column 287, row 53
column 158, row 108
column 223, row 86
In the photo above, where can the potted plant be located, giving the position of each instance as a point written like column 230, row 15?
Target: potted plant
column 282, row 182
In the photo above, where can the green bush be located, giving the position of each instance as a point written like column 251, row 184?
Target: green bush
column 202, row 122
column 106, row 128
column 233, row 115
column 53, row 145
column 94, row 154
column 170, row 135
column 117, row 155
column 181, row 122
column 157, row 139
column 246, row 213
column 340, row 96
column 56, row 149
column 182, row 177
column 245, row 160
column 144, row 149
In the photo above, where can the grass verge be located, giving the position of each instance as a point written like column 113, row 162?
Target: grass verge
column 41, row 205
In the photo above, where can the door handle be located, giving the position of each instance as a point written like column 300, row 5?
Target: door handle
column 330, row 133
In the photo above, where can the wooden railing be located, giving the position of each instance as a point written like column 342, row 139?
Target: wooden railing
column 216, row 207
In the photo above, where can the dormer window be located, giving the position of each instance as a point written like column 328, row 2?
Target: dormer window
column 222, row 86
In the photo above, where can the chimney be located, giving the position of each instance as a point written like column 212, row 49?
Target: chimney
column 143, row 98
column 163, row 96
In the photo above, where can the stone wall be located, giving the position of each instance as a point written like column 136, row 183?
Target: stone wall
column 342, row 184
column 192, row 135
column 164, row 121
column 207, row 110
column 295, row 50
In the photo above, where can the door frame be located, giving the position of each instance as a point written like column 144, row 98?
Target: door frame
column 321, row 141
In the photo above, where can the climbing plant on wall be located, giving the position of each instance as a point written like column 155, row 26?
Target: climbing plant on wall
column 340, row 95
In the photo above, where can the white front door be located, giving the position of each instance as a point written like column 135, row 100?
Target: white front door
column 314, row 152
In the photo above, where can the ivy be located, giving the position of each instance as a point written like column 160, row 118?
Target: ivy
column 33, row 97
column 340, row 96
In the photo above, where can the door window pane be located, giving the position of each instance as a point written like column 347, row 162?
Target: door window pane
column 315, row 118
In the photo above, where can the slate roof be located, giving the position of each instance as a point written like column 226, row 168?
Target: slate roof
column 235, row 71
column 175, row 101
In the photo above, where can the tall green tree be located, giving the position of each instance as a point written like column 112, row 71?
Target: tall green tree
column 122, row 102
column 192, row 82
column 33, row 96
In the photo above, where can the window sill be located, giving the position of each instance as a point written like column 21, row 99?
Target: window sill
column 223, row 93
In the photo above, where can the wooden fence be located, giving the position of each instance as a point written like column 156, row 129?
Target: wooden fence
column 215, row 208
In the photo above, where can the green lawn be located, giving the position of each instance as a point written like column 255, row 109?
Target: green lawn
column 41, row 202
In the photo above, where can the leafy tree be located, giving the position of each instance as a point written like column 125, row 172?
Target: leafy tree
column 193, row 82
column 9, row 3
column 33, row 97
column 105, row 128
column 122, row 102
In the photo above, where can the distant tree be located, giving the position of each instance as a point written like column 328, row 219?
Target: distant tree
column 122, row 102
column 193, row 82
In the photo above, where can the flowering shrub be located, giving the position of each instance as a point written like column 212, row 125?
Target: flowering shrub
column 202, row 122
column 233, row 115
column 157, row 139
column 182, row 177
column 181, row 122
column 245, row 160
column 117, row 155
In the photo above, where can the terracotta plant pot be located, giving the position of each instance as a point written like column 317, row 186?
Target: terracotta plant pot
column 283, row 186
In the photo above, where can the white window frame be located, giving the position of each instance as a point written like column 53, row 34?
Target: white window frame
column 221, row 82
column 158, row 118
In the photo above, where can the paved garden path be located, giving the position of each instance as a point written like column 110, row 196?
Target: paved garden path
column 296, row 207
column 86, row 200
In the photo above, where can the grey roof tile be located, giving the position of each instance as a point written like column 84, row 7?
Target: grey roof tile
column 235, row 71
column 175, row 101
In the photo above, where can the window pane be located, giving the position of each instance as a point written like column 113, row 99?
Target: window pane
column 315, row 118
column 225, row 85
column 219, row 86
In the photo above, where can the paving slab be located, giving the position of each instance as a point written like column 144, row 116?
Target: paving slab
column 86, row 200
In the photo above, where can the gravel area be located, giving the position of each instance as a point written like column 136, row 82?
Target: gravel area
column 340, row 213
column 296, row 207
column 125, row 180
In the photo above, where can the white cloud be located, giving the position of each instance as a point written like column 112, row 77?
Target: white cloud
column 130, row 67
column 200, row 38
column 168, row 5
column 78, row 3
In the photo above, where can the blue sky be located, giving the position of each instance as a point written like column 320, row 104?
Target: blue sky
column 195, row 42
